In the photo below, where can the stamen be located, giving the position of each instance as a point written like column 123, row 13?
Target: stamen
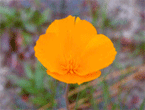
column 70, row 66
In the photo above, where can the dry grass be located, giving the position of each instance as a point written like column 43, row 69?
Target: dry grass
column 114, row 89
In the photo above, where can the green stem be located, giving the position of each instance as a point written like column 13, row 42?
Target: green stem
column 76, row 105
column 66, row 96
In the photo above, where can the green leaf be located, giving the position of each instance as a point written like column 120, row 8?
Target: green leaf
column 30, row 27
column 40, row 100
column 114, row 106
column 27, row 38
column 105, row 94
column 7, row 11
column 103, row 15
column 36, row 17
column 32, row 90
column 23, row 83
column 46, row 80
column 27, row 85
column 28, row 71
column 7, row 16
column 39, row 76
column 26, row 14
column 142, row 46
column 142, row 107
column 46, row 16
column 93, row 99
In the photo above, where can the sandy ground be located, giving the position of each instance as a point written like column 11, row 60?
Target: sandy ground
column 5, row 98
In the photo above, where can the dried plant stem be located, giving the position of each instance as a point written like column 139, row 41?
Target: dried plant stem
column 66, row 96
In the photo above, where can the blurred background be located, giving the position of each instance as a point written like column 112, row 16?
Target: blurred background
column 24, row 83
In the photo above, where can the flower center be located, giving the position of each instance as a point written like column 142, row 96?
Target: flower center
column 70, row 66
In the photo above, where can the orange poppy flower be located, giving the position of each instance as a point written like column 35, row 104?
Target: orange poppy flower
column 73, row 52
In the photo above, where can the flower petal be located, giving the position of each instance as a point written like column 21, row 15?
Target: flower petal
column 62, row 25
column 52, row 47
column 98, row 54
column 49, row 52
column 84, row 27
column 82, row 34
column 72, row 79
